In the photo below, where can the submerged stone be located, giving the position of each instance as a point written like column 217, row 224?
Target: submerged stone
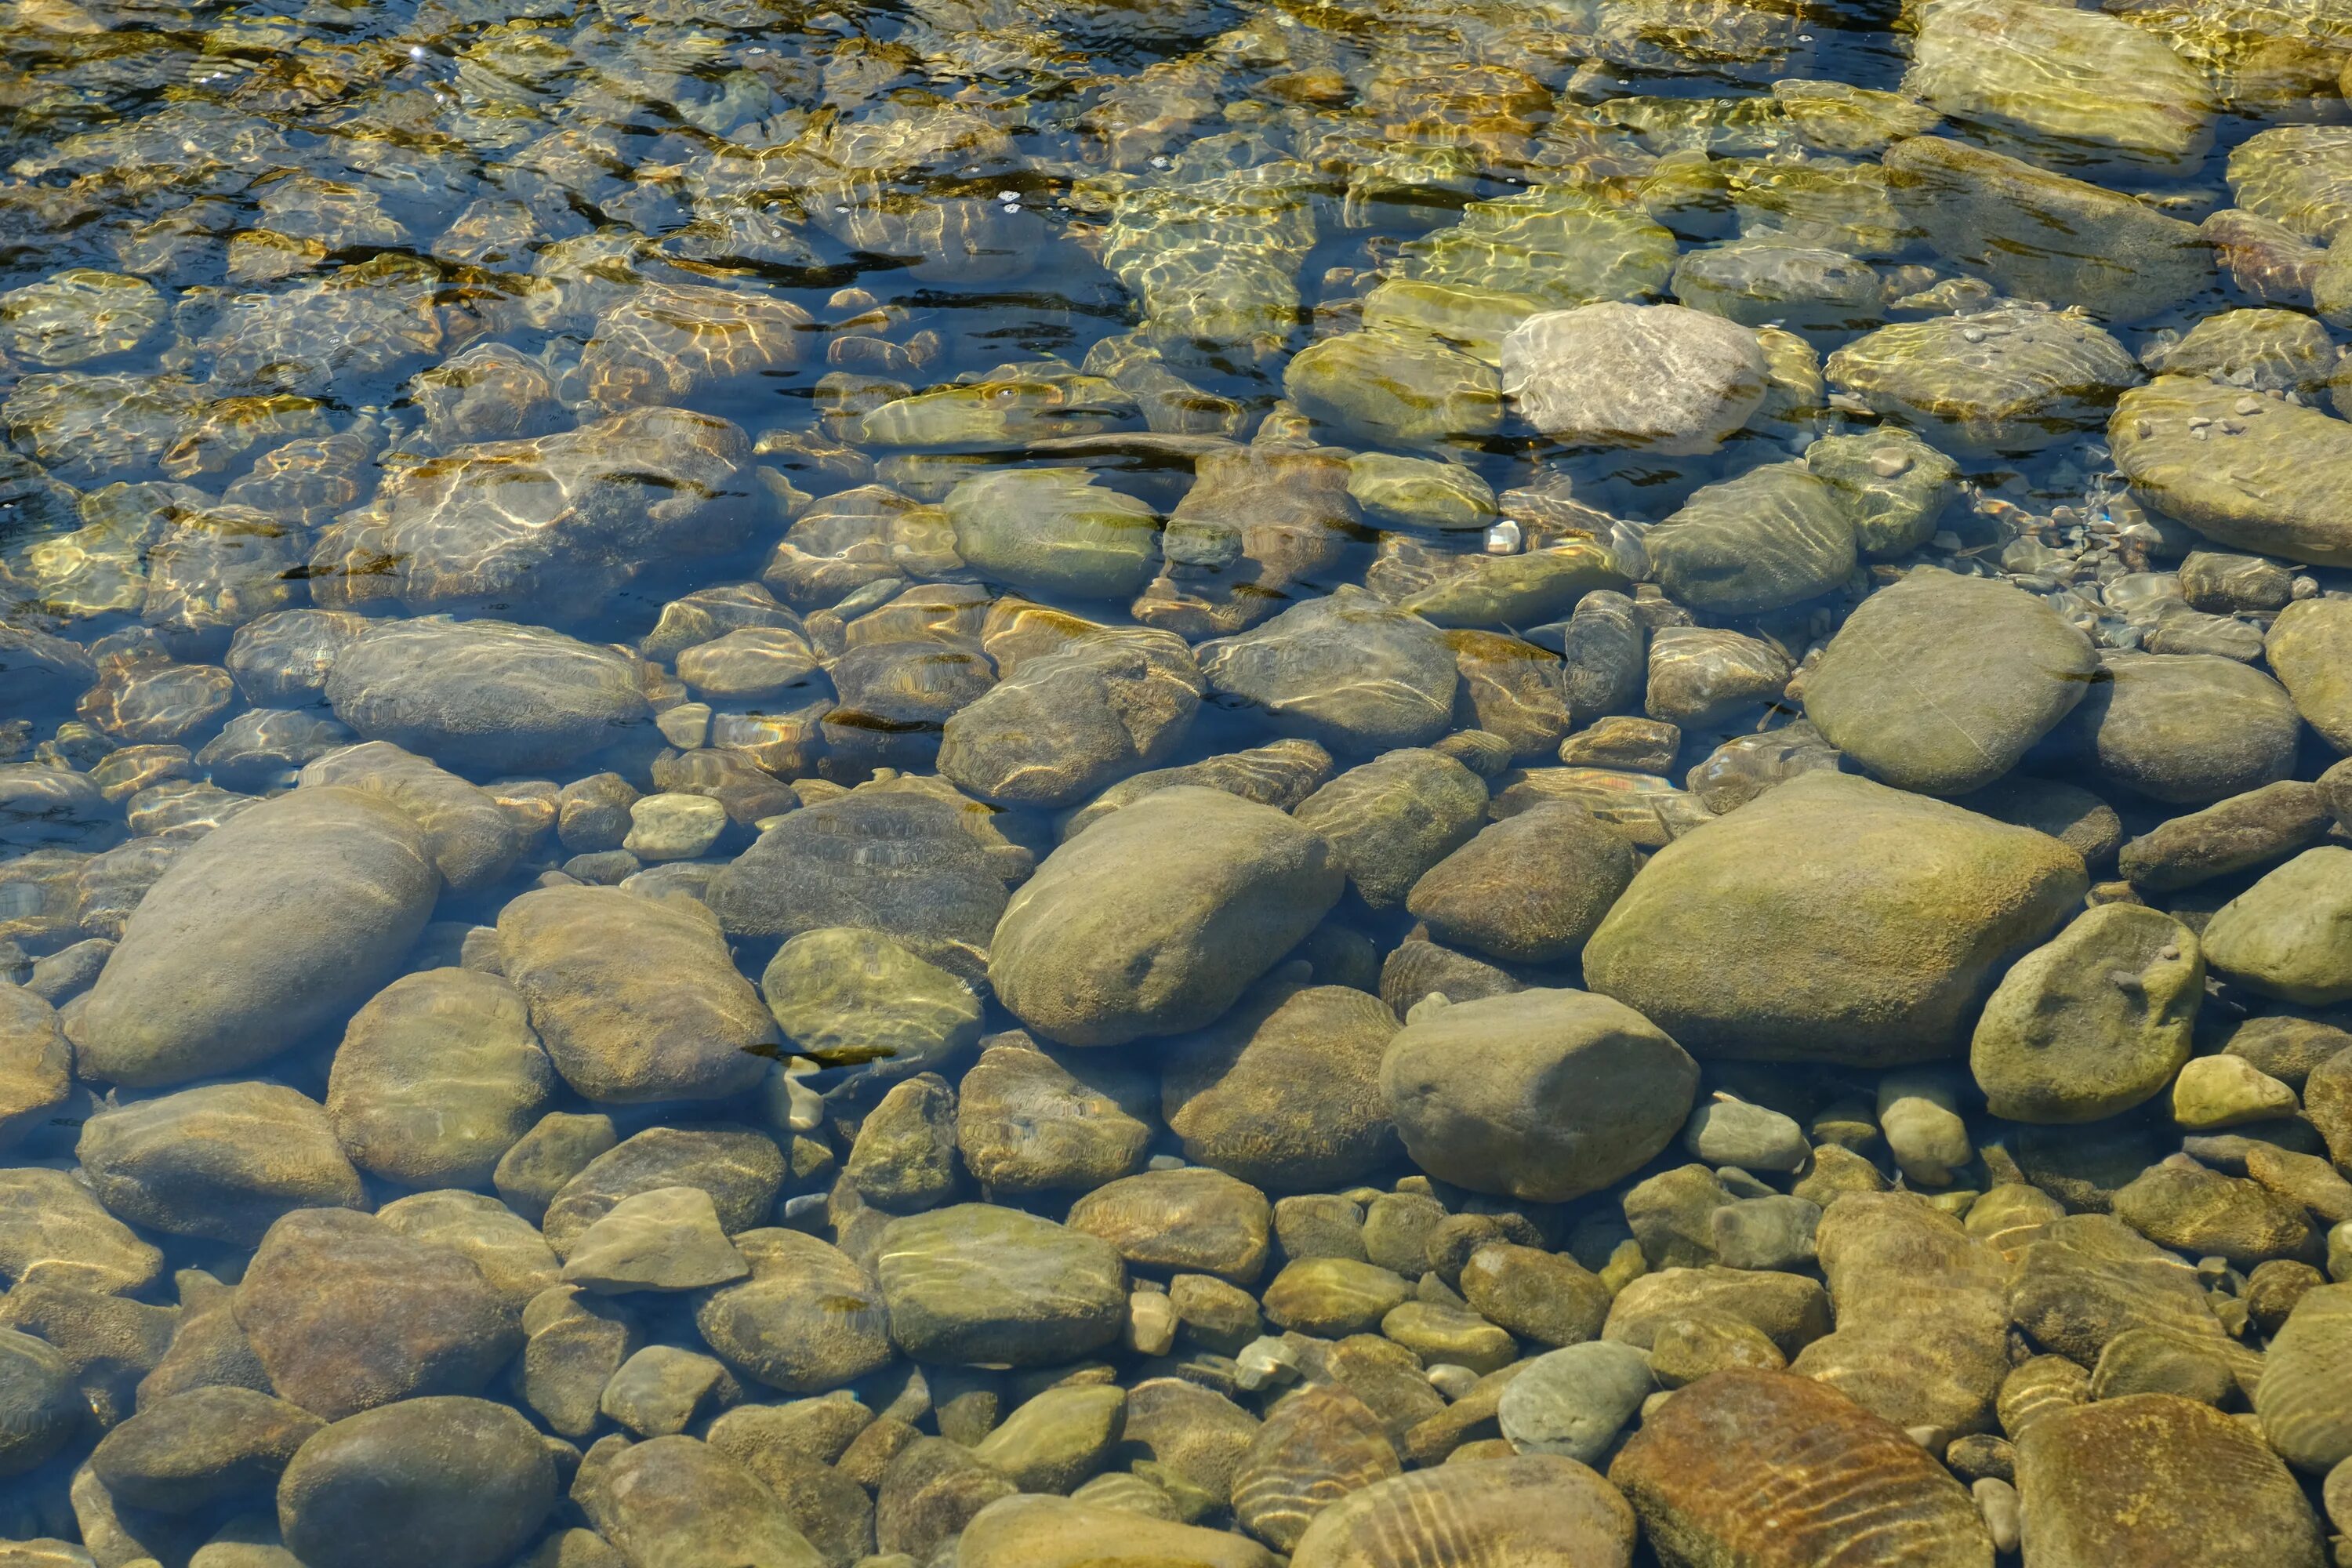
column 1869, row 932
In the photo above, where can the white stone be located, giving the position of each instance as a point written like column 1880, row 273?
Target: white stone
column 1663, row 378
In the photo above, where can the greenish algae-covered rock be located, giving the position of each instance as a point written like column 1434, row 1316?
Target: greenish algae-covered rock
column 1419, row 492
column 2156, row 1477
column 1940, row 683
column 1561, row 245
column 2061, row 83
column 2310, row 649
column 2297, row 175
column 1831, row 920
column 1894, row 486
column 2094, row 1022
column 1395, row 388
column 1155, row 918
column 2043, row 235
column 1773, row 537
column 1054, row 531
column 1519, row 590
column 2009, row 379
column 2238, row 467
column 977, row 1284
column 2290, row 934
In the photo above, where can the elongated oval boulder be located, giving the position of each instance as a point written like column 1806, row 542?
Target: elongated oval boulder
column 1764, row 1469
column 1395, row 817
column 1767, row 539
column 1831, row 920
column 1540, row 1095
column 635, row 999
column 272, row 925
column 1194, row 1220
column 2159, row 1479
column 1529, row 888
column 2305, row 1395
column 978, row 1284
column 1032, row 1532
column 485, row 694
column 1066, row 723
column 2274, row 481
column 1532, row 1511
column 1940, row 683
column 1155, row 918
column 460, row 1482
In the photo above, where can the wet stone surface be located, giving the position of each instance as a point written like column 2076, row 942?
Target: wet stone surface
column 1017, row 783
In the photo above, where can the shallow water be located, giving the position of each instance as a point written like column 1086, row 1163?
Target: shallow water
column 1158, row 740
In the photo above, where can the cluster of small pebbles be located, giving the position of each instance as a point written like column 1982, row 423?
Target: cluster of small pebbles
column 1035, row 784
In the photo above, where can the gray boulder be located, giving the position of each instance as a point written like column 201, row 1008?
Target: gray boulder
column 270, row 926
column 486, row 695
column 2093, row 1023
column 1832, row 918
column 1155, row 918
column 976, row 1284
column 1540, row 1095
column 1662, row 378
column 1346, row 670
column 635, row 999
column 1940, row 683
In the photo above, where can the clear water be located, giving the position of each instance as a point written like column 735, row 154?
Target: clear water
column 640, row 326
